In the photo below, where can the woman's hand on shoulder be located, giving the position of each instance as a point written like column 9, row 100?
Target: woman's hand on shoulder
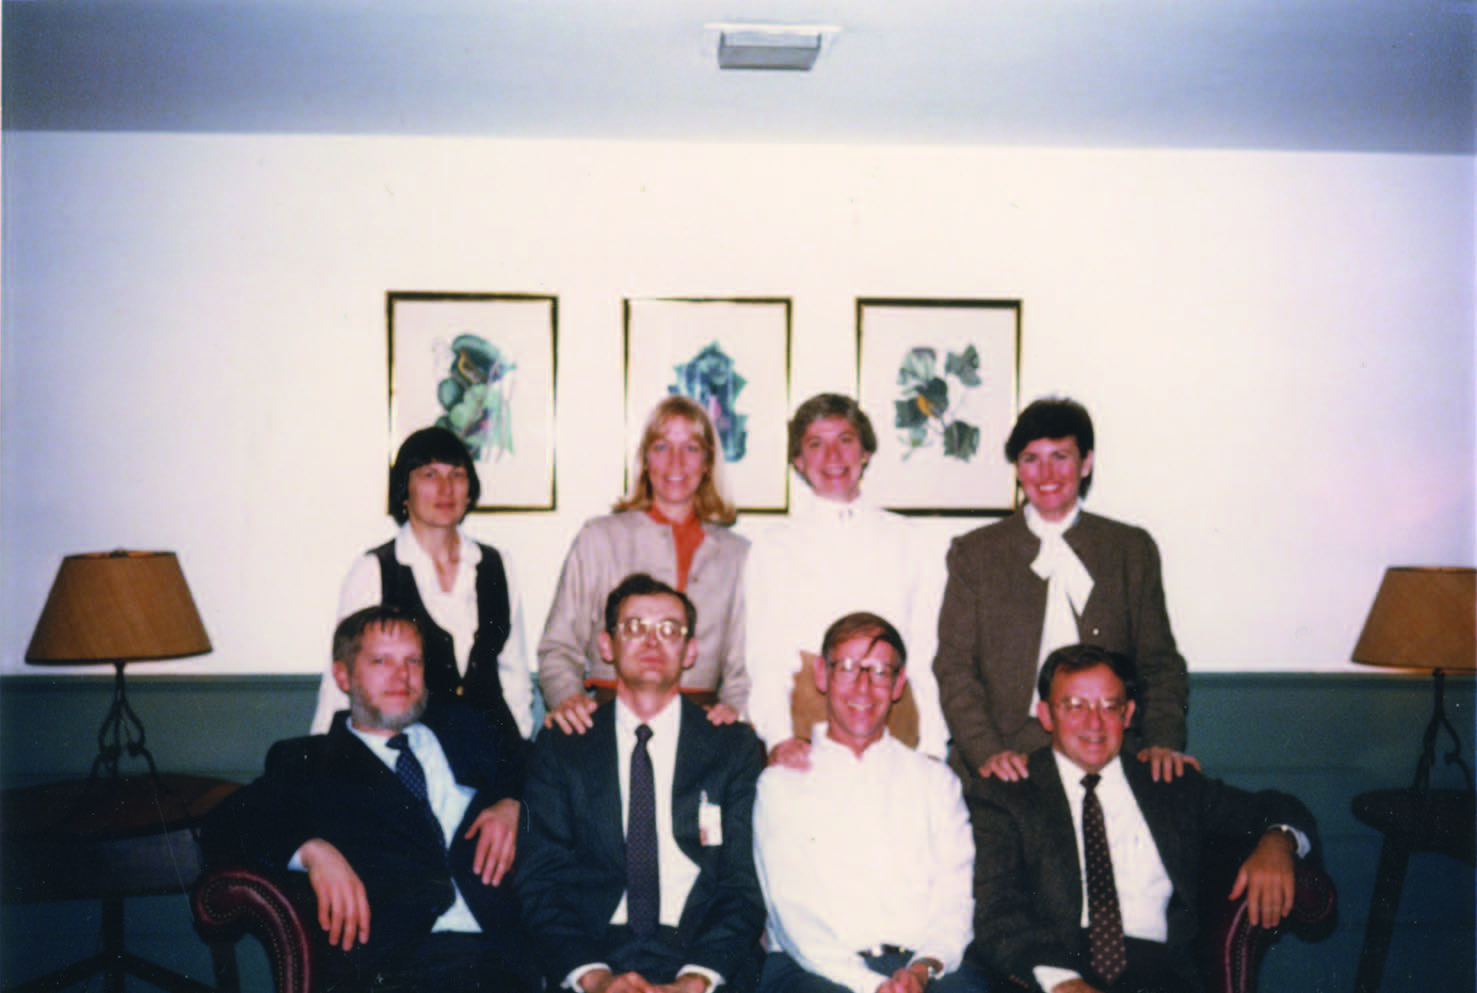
column 1007, row 765
column 792, row 753
column 1166, row 764
column 573, row 714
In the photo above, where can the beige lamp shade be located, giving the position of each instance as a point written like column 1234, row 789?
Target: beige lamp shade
column 111, row 607
column 1422, row 618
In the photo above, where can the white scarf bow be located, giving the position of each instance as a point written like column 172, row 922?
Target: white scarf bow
column 1068, row 586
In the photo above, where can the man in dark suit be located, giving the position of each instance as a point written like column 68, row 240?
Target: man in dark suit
column 635, row 865
column 1127, row 920
column 403, row 818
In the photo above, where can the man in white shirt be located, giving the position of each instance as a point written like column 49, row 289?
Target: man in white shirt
column 403, row 821
column 865, row 856
column 1087, row 870
column 636, row 862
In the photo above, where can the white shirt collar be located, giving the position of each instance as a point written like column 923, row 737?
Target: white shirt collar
column 409, row 552
column 1041, row 527
column 1071, row 773
column 667, row 721
column 807, row 504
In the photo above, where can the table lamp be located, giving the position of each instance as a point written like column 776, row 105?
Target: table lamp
column 1425, row 618
column 113, row 608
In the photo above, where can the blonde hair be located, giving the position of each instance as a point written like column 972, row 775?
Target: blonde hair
column 711, row 503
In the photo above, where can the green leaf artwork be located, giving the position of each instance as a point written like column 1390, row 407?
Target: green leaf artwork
column 927, row 412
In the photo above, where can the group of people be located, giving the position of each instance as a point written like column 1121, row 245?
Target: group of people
column 742, row 779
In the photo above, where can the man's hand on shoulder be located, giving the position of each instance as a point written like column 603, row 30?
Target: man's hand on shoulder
column 1267, row 879
column 343, row 907
column 573, row 714
column 722, row 713
column 1166, row 764
column 496, row 833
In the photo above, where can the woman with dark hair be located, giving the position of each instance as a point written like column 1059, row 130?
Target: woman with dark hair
column 1049, row 576
column 673, row 525
column 458, row 590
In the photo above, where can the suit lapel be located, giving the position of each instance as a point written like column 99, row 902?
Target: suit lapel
column 1162, row 817
column 1059, row 837
column 601, row 774
column 687, row 777
column 360, row 770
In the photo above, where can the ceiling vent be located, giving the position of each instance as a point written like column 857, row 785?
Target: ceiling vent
column 770, row 46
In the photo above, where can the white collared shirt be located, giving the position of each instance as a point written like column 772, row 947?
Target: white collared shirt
column 858, row 851
column 676, row 872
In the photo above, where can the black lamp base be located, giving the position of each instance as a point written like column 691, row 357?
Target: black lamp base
column 121, row 731
column 1439, row 720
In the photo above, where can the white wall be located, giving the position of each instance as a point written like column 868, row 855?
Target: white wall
column 1277, row 348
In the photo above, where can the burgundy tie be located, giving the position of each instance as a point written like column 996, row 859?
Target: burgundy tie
column 1105, row 944
column 643, row 890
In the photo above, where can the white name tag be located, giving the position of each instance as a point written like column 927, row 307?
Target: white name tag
column 709, row 822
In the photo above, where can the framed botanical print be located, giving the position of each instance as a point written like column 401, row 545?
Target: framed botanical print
column 940, row 381
column 480, row 365
column 732, row 356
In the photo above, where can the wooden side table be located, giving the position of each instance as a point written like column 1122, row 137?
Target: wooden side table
column 1440, row 821
column 106, row 839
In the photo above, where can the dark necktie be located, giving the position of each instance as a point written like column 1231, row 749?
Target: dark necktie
column 1104, row 919
column 643, row 891
column 408, row 768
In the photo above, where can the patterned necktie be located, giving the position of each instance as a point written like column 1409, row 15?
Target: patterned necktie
column 409, row 769
column 643, row 892
column 1105, row 944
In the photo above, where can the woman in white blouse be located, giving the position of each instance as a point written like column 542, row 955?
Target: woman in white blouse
column 460, row 591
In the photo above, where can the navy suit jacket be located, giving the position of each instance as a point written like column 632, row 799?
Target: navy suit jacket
column 331, row 786
column 571, row 871
column 1028, row 883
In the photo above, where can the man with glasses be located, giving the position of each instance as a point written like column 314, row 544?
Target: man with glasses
column 864, row 856
column 635, row 862
column 1086, row 870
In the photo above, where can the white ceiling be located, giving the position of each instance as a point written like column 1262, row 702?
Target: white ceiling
column 1345, row 75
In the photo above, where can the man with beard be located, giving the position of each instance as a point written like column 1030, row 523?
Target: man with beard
column 403, row 819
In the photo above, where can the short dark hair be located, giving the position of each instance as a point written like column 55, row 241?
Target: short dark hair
column 864, row 625
column 640, row 584
column 831, row 405
column 348, row 637
column 422, row 448
column 1052, row 417
column 1077, row 658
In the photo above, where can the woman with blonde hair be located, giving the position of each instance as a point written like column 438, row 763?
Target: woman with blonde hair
column 672, row 525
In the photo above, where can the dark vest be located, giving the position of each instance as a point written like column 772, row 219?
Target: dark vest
column 480, row 686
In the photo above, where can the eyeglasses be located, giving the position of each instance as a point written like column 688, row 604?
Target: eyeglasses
column 1076, row 706
column 665, row 629
column 850, row 670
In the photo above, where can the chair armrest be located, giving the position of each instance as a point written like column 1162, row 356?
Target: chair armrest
column 231, row 901
column 1235, row 946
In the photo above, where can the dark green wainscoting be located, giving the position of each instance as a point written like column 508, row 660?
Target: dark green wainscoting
column 1326, row 738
